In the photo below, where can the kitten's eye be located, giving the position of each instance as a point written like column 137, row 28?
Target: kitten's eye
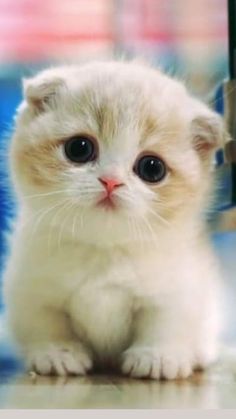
column 150, row 168
column 80, row 149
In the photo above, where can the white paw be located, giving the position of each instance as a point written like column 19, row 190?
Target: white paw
column 59, row 359
column 169, row 363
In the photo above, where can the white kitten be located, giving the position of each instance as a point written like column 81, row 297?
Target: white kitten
column 110, row 262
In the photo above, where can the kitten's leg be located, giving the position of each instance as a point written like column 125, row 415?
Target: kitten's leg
column 170, row 343
column 46, row 340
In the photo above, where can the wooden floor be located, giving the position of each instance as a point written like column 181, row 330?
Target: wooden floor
column 212, row 390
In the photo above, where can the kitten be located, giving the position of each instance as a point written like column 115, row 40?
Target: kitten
column 110, row 263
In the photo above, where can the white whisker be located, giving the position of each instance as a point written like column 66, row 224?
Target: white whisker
column 73, row 225
column 53, row 222
column 40, row 218
column 160, row 218
column 141, row 237
column 150, row 229
column 44, row 194
column 130, row 223
column 67, row 208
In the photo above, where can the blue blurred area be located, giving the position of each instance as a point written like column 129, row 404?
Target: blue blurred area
column 219, row 107
column 219, row 99
column 10, row 93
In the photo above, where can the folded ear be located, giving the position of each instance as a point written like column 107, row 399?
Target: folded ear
column 40, row 91
column 208, row 132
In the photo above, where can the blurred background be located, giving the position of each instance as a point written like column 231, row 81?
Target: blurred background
column 185, row 37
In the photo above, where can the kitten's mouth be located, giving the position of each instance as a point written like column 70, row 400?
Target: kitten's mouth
column 107, row 203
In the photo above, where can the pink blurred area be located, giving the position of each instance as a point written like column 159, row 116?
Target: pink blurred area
column 37, row 29
column 54, row 29
column 186, row 34
column 174, row 21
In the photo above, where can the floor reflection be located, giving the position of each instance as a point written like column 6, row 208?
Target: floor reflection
column 211, row 390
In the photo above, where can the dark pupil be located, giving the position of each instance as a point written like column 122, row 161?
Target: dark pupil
column 80, row 150
column 151, row 169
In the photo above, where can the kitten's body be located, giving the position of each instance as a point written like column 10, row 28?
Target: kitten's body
column 135, row 286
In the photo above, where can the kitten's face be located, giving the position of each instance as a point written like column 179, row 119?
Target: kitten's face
column 113, row 150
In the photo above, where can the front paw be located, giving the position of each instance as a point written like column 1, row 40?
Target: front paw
column 59, row 359
column 154, row 363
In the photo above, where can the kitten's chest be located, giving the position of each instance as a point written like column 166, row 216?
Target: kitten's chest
column 102, row 316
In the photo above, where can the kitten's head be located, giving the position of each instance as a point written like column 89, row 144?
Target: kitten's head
column 112, row 150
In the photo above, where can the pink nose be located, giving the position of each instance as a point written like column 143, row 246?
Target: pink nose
column 110, row 183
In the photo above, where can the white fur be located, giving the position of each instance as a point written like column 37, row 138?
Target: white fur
column 91, row 287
